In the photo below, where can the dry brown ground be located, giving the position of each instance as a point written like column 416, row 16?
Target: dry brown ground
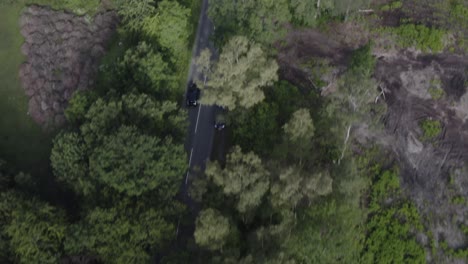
column 63, row 51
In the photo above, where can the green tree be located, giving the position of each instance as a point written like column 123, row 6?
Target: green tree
column 266, row 21
column 331, row 229
column 212, row 229
column 125, row 233
column 307, row 12
column 293, row 186
column 263, row 20
column 144, row 67
column 256, row 129
column 134, row 12
column 357, row 91
column 70, row 164
column 300, row 128
column 170, row 28
column 345, row 7
column 6, row 178
column 37, row 232
column 298, row 137
column 133, row 163
column 244, row 177
column 77, row 107
column 105, row 116
column 242, row 70
column 204, row 65
column 391, row 226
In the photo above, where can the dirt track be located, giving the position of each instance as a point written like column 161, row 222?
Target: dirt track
column 63, row 51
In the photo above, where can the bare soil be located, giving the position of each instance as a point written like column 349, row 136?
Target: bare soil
column 63, row 51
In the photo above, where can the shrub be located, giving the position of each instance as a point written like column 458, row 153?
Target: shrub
column 436, row 93
column 362, row 61
column 459, row 200
column 431, row 128
column 420, row 36
column 390, row 227
column 392, row 6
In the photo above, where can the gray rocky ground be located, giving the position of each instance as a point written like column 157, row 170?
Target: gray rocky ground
column 62, row 55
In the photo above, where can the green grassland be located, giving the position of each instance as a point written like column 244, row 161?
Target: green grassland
column 22, row 142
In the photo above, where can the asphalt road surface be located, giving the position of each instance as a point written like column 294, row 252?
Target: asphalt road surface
column 201, row 130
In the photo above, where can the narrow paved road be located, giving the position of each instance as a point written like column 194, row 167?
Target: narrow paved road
column 201, row 129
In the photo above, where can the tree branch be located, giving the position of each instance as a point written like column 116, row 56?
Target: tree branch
column 366, row 10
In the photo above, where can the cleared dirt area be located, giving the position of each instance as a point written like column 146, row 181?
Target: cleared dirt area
column 434, row 172
column 427, row 166
column 334, row 45
column 63, row 51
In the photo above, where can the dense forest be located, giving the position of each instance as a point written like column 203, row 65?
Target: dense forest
column 313, row 167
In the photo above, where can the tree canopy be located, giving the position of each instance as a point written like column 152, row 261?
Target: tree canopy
column 37, row 231
column 134, row 163
column 243, row 177
column 240, row 74
column 125, row 233
column 212, row 229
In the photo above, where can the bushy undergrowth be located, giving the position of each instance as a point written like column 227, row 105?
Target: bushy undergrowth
column 392, row 225
column 431, row 128
column 419, row 36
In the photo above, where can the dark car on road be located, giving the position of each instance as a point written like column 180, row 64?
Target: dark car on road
column 220, row 121
column 193, row 94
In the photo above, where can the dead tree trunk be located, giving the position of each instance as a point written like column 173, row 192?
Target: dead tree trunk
column 345, row 144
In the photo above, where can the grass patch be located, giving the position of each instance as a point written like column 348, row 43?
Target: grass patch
column 431, row 129
column 22, row 142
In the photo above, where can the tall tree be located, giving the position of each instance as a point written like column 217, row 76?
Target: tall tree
column 125, row 233
column 241, row 72
column 212, row 229
column 204, row 65
column 133, row 13
column 300, row 127
column 69, row 162
column 331, row 230
column 345, row 7
column 299, row 131
column 106, row 116
column 244, row 177
column 307, row 12
column 77, row 107
column 357, row 90
column 170, row 27
column 256, row 129
column 145, row 68
column 262, row 20
column 36, row 231
column 134, row 163
column 293, row 185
